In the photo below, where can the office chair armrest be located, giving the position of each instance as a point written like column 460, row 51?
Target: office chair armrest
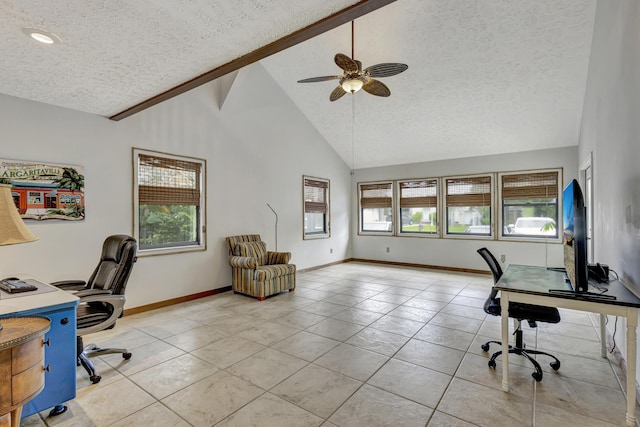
column 243, row 262
column 70, row 285
column 82, row 294
column 116, row 301
column 278, row 257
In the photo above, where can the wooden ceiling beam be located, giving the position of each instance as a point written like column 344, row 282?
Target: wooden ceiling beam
column 339, row 18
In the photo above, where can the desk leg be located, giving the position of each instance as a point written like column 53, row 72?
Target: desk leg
column 632, row 323
column 504, row 310
column 603, row 336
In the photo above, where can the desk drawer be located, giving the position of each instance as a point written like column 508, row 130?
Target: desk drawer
column 27, row 383
column 27, row 355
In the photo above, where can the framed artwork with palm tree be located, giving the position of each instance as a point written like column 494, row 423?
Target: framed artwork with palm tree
column 45, row 191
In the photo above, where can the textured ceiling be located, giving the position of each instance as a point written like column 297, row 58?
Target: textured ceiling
column 117, row 53
column 484, row 77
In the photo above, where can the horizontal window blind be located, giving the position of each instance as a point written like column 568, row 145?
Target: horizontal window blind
column 315, row 196
column 166, row 181
column 539, row 185
column 376, row 195
column 419, row 194
column 469, row 191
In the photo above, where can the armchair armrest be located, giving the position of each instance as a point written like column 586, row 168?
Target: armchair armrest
column 278, row 257
column 115, row 301
column 243, row 262
column 70, row 285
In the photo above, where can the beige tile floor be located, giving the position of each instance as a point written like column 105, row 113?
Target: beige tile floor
column 355, row 345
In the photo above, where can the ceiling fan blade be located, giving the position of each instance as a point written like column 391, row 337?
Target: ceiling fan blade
column 346, row 63
column 319, row 79
column 377, row 88
column 337, row 93
column 386, row 69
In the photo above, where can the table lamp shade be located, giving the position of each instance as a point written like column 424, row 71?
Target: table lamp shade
column 12, row 228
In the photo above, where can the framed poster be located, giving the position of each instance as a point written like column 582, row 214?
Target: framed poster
column 45, row 190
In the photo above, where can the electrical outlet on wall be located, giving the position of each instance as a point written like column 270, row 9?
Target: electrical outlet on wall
column 388, row 249
column 331, row 250
column 503, row 258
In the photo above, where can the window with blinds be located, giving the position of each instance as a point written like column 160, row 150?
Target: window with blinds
column 530, row 204
column 418, row 206
column 468, row 205
column 168, row 202
column 376, row 207
column 316, row 207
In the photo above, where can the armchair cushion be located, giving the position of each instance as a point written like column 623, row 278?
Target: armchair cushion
column 268, row 272
column 252, row 249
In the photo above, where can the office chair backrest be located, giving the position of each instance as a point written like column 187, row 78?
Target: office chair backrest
column 492, row 304
column 492, row 262
column 116, row 263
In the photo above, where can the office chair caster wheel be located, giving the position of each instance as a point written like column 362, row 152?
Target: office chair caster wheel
column 126, row 356
column 555, row 365
column 57, row 410
column 95, row 379
column 537, row 376
column 485, row 347
column 492, row 364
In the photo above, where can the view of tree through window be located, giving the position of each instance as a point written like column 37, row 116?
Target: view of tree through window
column 169, row 202
column 468, row 203
column 419, row 206
column 316, row 207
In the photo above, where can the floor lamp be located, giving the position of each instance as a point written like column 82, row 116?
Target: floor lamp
column 12, row 228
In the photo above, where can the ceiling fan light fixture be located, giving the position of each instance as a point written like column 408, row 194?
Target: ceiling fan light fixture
column 352, row 85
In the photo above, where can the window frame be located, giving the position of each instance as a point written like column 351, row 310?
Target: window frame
column 400, row 207
column 445, row 205
column 500, row 207
column 201, row 242
column 310, row 206
column 390, row 232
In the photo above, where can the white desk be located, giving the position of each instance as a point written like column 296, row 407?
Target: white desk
column 530, row 285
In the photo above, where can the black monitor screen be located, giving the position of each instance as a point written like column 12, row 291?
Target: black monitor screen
column 575, row 236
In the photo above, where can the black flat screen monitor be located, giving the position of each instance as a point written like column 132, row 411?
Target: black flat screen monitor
column 575, row 236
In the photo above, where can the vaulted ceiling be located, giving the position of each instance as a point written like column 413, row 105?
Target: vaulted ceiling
column 484, row 77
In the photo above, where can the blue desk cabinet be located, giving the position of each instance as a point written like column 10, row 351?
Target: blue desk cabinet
column 60, row 342
column 59, row 357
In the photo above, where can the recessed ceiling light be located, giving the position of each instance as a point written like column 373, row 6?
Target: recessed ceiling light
column 41, row 35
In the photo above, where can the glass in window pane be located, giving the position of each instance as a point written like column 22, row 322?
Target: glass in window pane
column 377, row 219
column 473, row 220
column 168, row 225
column 314, row 223
column 530, row 217
column 418, row 220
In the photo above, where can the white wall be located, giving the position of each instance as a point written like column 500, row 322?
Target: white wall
column 257, row 147
column 611, row 132
column 461, row 253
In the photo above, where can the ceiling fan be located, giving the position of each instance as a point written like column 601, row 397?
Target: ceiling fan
column 355, row 78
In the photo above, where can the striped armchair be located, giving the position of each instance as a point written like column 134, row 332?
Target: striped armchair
column 256, row 271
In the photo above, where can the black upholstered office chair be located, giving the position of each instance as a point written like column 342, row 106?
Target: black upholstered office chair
column 519, row 311
column 102, row 297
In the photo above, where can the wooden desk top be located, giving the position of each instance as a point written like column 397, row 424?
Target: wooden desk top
column 18, row 330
